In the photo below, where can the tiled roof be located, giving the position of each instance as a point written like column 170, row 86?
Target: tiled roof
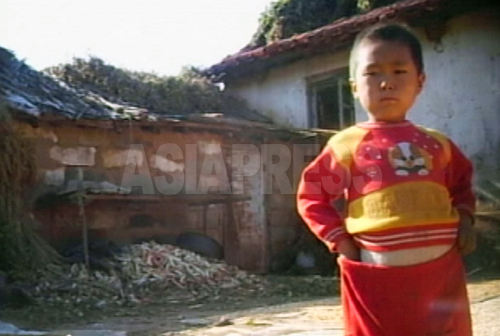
column 335, row 36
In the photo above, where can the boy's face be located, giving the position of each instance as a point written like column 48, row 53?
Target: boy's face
column 386, row 80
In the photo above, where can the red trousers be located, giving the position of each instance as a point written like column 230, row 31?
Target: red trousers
column 428, row 299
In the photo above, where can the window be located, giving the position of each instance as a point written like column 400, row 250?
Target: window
column 331, row 105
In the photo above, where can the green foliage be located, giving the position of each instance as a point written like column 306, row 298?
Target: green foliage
column 285, row 18
column 187, row 93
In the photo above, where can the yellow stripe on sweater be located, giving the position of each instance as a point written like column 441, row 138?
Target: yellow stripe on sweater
column 406, row 204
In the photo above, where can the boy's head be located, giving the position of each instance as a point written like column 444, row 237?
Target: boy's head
column 387, row 71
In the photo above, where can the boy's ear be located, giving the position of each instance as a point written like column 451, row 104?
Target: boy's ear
column 354, row 88
column 421, row 82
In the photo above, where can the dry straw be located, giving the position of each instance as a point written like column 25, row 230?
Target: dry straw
column 20, row 247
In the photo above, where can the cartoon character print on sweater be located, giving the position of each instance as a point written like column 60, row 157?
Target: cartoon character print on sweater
column 407, row 158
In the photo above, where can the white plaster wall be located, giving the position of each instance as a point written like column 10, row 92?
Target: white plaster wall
column 281, row 93
column 461, row 96
column 462, row 93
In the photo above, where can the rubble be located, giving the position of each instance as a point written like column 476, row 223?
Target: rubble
column 139, row 274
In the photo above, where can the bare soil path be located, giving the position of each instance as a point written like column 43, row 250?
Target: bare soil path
column 280, row 314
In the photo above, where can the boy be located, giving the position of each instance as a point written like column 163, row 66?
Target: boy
column 410, row 205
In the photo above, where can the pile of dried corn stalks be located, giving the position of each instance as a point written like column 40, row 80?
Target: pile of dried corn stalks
column 142, row 273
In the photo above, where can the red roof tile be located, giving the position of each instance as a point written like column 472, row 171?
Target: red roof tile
column 337, row 35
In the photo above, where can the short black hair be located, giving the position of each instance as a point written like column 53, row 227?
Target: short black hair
column 391, row 32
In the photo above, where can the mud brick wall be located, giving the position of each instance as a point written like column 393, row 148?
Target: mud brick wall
column 254, row 228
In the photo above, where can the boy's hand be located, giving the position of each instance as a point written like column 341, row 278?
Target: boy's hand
column 347, row 248
column 466, row 240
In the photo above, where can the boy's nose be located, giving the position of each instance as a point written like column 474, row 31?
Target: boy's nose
column 385, row 85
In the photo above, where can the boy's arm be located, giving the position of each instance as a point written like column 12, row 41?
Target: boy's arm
column 323, row 182
column 459, row 181
column 460, row 173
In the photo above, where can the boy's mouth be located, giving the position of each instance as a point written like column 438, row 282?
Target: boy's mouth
column 388, row 99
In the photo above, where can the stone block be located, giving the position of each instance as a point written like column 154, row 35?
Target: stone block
column 120, row 158
column 74, row 156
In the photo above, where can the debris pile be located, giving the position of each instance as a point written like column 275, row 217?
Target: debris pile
column 150, row 265
column 141, row 273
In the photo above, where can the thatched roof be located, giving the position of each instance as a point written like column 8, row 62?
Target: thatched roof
column 36, row 94
column 187, row 94
column 33, row 93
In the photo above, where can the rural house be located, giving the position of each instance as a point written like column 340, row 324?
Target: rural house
column 126, row 163
column 302, row 81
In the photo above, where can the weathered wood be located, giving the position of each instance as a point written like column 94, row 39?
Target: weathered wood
column 179, row 198
column 81, row 211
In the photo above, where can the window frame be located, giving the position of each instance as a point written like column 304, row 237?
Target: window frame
column 322, row 80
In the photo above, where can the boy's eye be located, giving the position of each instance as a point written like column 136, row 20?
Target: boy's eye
column 400, row 71
column 369, row 73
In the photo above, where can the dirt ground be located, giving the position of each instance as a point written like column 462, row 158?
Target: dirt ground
column 313, row 316
column 294, row 303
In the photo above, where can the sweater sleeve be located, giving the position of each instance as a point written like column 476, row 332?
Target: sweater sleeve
column 459, row 181
column 323, row 182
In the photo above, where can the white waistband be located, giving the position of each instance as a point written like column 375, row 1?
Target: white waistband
column 404, row 257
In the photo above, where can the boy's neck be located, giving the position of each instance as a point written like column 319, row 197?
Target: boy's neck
column 372, row 119
column 384, row 124
column 397, row 121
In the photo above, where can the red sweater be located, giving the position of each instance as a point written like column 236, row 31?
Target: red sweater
column 403, row 184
